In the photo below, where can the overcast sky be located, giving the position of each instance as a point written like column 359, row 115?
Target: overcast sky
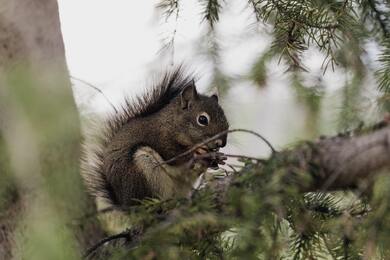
column 115, row 45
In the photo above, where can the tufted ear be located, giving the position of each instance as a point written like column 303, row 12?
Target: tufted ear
column 215, row 96
column 188, row 95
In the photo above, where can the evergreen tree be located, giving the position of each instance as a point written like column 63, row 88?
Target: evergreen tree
column 317, row 200
column 326, row 198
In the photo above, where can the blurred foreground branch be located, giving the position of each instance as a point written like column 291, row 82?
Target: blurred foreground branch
column 39, row 139
column 273, row 187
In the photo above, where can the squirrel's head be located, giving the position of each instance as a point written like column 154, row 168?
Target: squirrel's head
column 199, row 117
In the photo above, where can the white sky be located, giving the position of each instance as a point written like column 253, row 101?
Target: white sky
column 114, row 44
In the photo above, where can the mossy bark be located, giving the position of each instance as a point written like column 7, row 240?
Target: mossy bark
column 41, row 190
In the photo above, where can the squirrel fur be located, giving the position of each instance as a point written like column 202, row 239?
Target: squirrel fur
column 125, row 163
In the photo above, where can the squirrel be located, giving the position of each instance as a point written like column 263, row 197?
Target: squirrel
column 127, row 162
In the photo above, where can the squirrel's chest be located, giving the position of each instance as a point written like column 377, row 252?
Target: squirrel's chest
column 165, row 181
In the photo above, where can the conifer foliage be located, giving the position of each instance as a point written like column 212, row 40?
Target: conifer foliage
column 283, row 207
column 318, row 200
column 339, row 29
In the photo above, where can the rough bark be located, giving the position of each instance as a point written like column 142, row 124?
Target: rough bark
column 345, row 162
column 39, row 124
column 331, row 163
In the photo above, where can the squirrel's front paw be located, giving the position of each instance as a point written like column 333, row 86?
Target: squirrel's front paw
column 198, row 164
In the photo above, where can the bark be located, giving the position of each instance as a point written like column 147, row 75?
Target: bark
column 39, row 124
column 332, row 163
column 345, row 162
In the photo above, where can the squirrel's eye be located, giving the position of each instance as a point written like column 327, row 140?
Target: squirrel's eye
column 203, row 119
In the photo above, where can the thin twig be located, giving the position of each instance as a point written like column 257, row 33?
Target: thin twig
column 195, row 147
column 97, row 89
column 255, row 134
column 208, row 155
column 231, row 167
column 91, row 250
column 243, row 157
column 237, row 165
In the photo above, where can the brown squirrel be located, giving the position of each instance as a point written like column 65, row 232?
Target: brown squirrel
column 127, row 163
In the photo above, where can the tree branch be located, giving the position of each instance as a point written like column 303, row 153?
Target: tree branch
column 348, row 160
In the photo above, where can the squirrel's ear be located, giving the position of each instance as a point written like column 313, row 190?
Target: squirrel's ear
column 188, row 95
column 215, row 96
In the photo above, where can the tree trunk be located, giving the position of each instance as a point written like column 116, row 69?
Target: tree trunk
column 41, row 190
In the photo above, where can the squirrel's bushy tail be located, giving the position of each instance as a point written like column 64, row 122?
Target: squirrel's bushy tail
column 95, row 139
